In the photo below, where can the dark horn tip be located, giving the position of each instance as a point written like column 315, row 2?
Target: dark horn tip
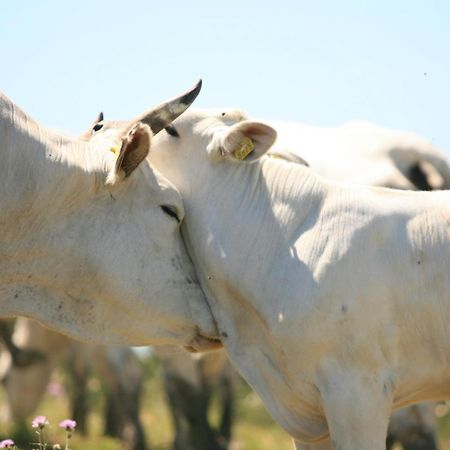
column 199, row 84
column 192, row 93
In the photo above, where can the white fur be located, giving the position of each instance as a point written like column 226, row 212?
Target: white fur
column 362, row 152
column 359, row 278
column 97, row 262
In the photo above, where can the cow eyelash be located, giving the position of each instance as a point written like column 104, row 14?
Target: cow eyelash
column 171, row 131
column 170, row 211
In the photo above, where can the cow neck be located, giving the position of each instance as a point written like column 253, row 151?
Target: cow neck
column 41, row 168
column 238, row 219
column 240, row 228
column 44, row 187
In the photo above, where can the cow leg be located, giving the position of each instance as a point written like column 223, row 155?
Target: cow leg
column 122, row 375
column 78, row 370
column 414, row 428
column 191, row 406
column 127, row 399
column 324, row 445
column 390, row 441
column 424, row 441
column 114, row 413
column 79, row 400
column 357, row 408
column 227, row 399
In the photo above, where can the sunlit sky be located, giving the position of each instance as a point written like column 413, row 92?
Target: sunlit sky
column 318, row 62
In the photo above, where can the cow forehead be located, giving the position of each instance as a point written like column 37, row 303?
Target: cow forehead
column 193, row 117
column 223, row 115
column 206, row 121
column 108, row 140
column 200, row 120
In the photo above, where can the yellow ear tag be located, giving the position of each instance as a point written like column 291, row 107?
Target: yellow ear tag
column 246, row 147
column 114, row 150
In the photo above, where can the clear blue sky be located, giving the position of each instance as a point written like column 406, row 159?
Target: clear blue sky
column 319, row 62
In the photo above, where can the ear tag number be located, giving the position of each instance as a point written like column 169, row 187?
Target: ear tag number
column 246, row 147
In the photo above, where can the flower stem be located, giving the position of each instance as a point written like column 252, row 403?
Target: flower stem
column 42, row 443
column 68, row 436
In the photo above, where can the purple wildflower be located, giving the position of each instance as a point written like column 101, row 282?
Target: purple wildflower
column 39, row 422
column 7, row 443
column 68, row 424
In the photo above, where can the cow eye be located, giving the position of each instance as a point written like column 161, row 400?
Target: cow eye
column 171, row 211
column 171, row 130
column 96, row 127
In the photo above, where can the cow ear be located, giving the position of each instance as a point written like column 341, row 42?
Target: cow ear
column 135, row 147
column 247, row 141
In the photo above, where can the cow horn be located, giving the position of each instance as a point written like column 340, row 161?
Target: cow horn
column 162, row 115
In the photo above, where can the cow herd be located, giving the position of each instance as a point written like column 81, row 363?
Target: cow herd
column 205, row 229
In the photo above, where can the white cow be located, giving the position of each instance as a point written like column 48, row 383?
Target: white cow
column 400, row 160
column 365, row 153
column 88, row 246
column 387, row 157
column 332, row 301
column 118, row 368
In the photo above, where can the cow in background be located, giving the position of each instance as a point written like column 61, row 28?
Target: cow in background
column 118, row 368
column 20, row 357
column 190, row 381
column 365, row 153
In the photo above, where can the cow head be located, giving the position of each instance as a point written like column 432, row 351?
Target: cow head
column 208, row 136
column 94, row 248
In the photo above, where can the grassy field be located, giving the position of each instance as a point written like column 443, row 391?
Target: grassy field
column 254, row 429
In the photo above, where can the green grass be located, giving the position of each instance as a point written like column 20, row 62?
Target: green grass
column 254, row 429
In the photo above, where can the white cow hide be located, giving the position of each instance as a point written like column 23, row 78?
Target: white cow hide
column 86, row 247
column 365, row 153
column 332, row 301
